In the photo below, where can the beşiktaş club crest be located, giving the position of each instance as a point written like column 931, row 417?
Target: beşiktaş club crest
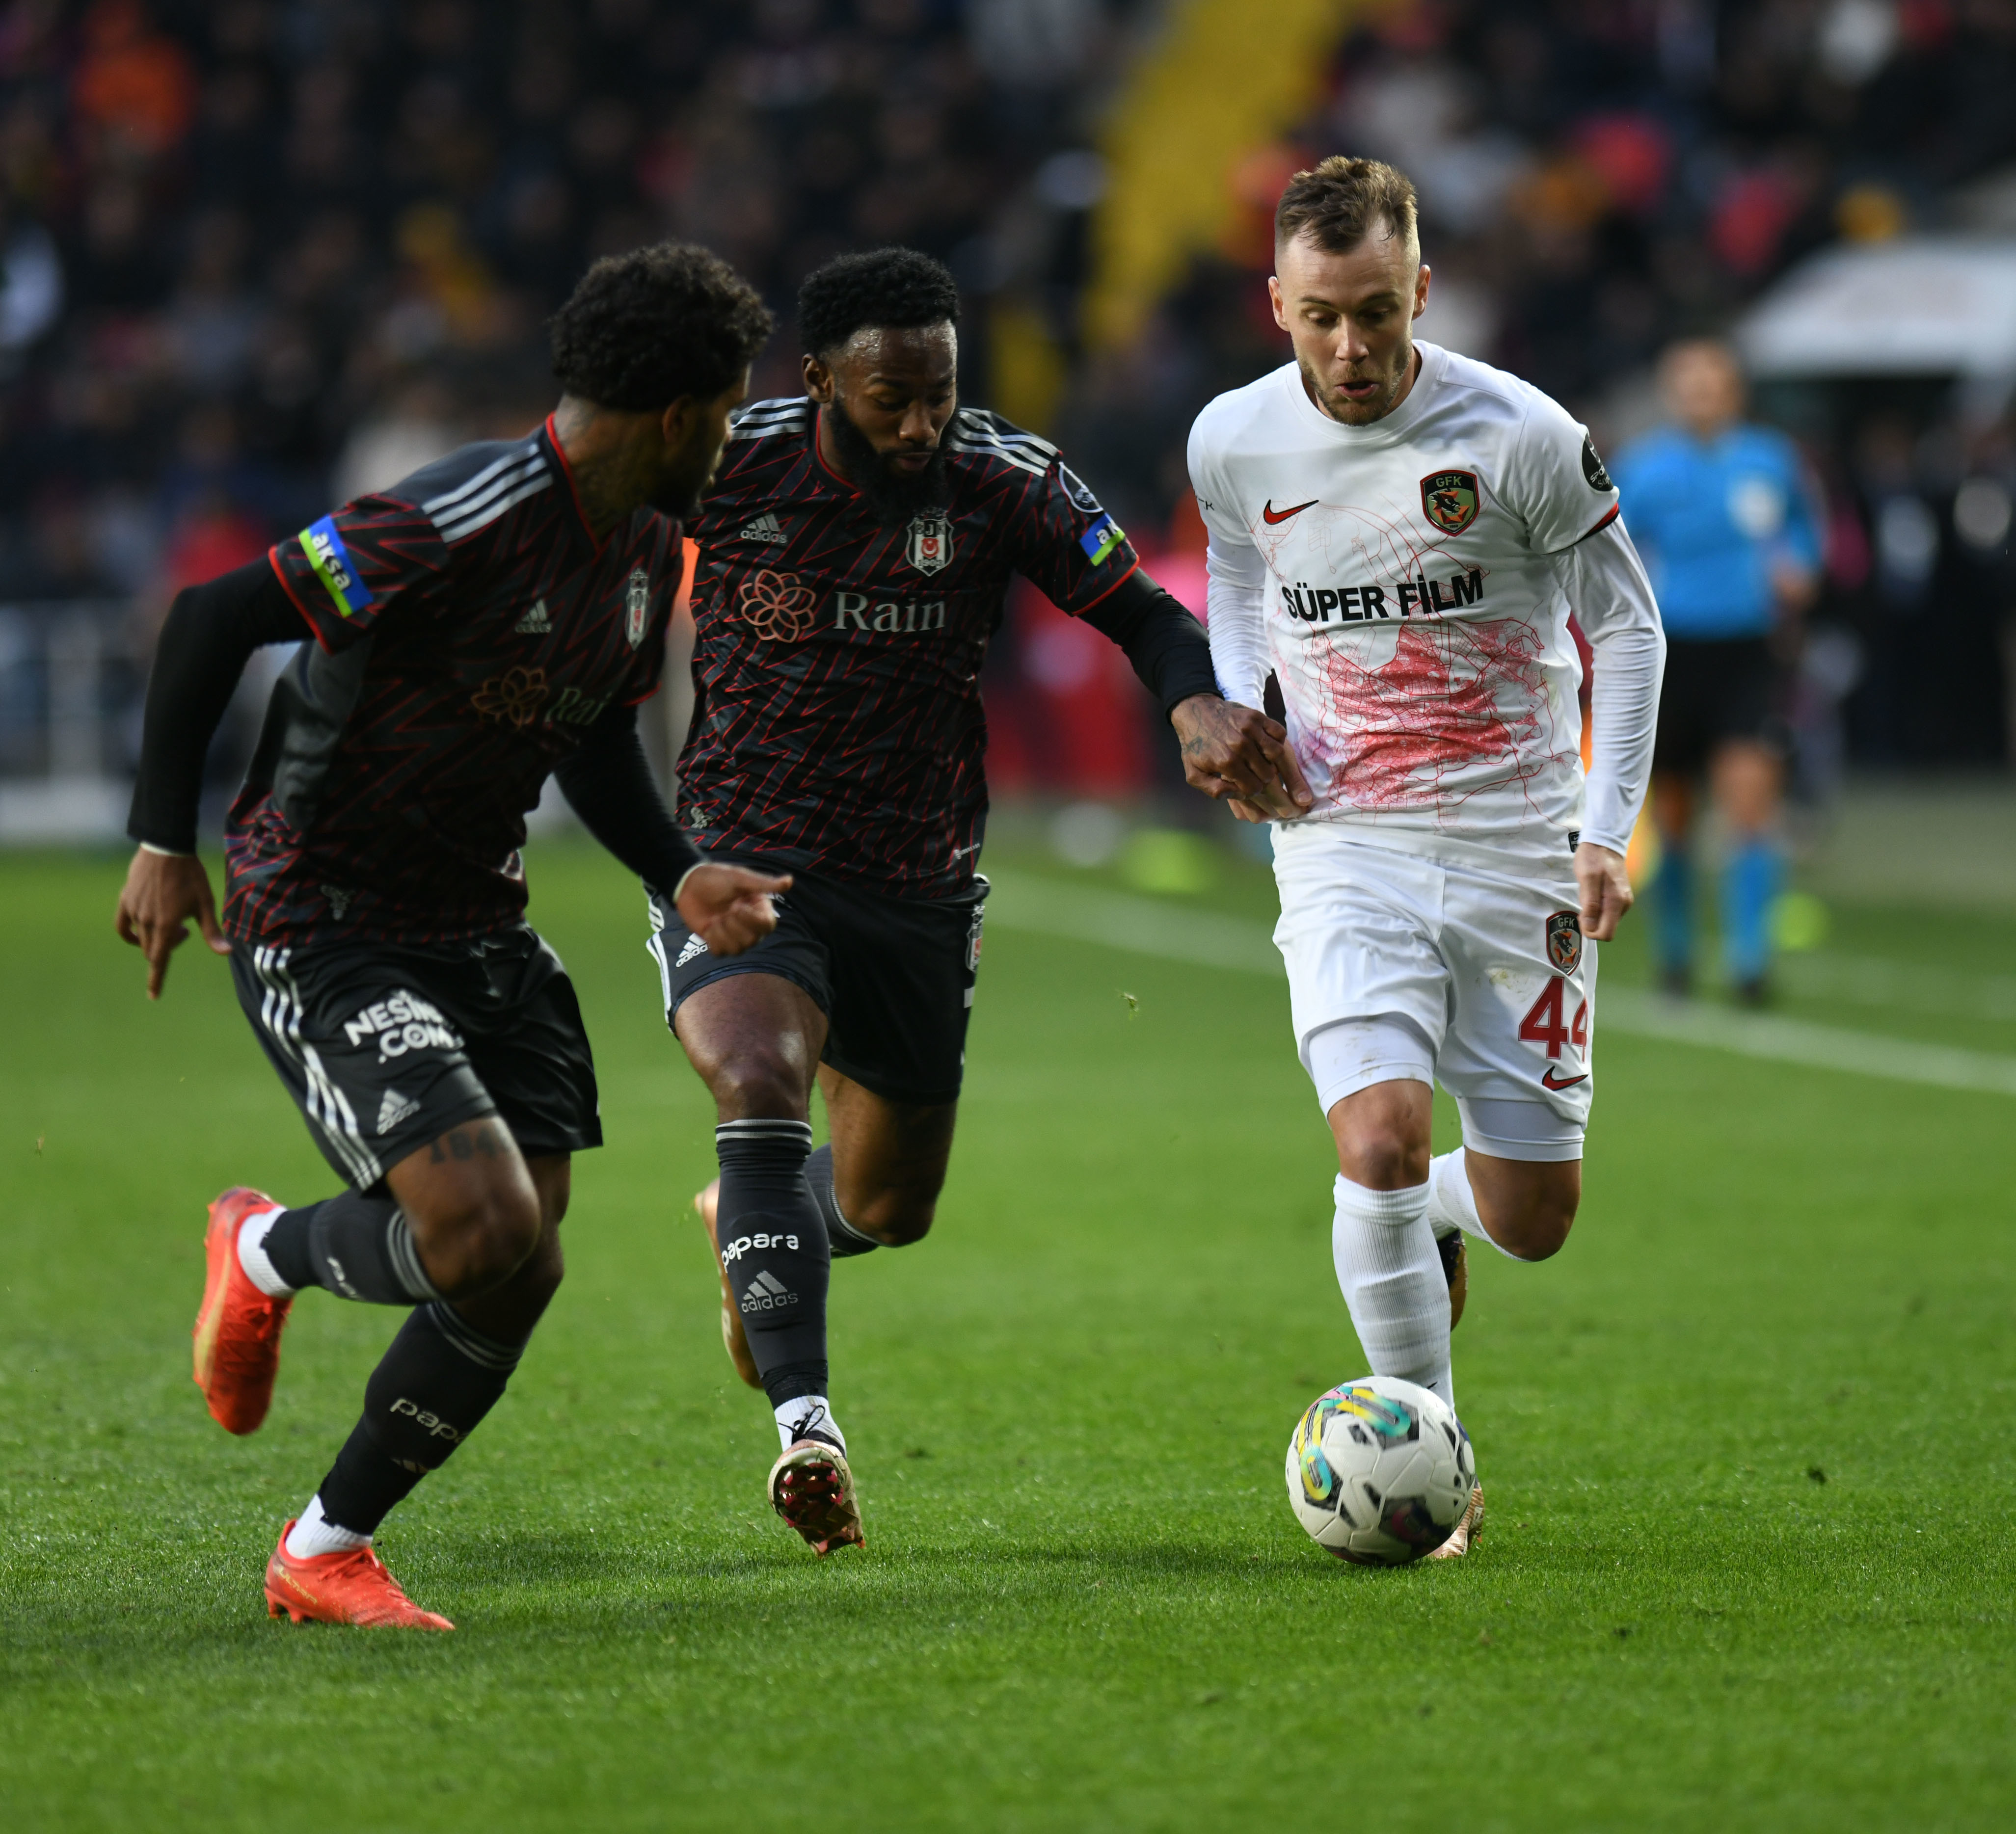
column 637, row 606
column 929, row 546
column 1564, row 941
column 1448, row 500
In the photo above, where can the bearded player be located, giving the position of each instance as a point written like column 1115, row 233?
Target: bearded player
column 854, row 556
column 496, row 616
column 1398, row 534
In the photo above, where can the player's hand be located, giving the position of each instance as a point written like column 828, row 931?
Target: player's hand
column 162, row 893
column 1238, row 755
column 729, row 908
column 1605, row 888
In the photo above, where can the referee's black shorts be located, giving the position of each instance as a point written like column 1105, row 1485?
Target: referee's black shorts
column 893, row 976
column 1713, row 691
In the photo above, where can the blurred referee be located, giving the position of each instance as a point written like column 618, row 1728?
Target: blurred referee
column 1725, row 516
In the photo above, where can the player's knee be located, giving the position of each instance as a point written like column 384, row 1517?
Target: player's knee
column 760, row 1082
column 493, row 1234
column 1383, row 1160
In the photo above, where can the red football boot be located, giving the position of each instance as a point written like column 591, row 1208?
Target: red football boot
column 350, row 1587
column 237, row 1327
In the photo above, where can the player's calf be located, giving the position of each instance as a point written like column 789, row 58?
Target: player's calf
column 462, row 1217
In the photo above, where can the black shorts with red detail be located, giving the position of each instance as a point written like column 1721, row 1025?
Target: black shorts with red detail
column 893, row 976
column 837, row 726
column 385, row 1047
column 1713, row 692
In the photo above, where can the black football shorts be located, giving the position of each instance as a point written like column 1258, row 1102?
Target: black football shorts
column 1715, row 690
column 893, row 976
column 386, row 1046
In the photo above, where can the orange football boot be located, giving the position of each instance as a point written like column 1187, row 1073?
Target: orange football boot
column 237, row 1326
column 354, row 1587
column 813, row 1489
column 734, row 1339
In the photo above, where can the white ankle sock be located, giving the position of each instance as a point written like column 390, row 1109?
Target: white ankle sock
column 1452, row 1202
column 252, row 1253
column 315, row 1534
column 807, row 1415
column 1392, row 1281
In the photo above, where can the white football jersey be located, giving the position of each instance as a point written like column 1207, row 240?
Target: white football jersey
column 1414, row 608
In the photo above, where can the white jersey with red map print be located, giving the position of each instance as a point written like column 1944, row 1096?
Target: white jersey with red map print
column 1412, row 576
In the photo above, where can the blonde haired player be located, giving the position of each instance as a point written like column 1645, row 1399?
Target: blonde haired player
column 1399, row 535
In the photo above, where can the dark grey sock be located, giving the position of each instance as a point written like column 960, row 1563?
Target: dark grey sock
column 773, row 1250
column 355, row 1246
column 842, row 1237
column 437, row 1379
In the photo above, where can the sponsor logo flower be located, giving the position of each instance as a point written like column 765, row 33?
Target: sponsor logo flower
column 776, row 607
column 517, row 696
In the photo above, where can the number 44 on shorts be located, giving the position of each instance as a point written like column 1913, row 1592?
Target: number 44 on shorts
column 1543, row 1025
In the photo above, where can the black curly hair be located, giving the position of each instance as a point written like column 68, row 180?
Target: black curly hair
column 892, row 286
column 643, row 328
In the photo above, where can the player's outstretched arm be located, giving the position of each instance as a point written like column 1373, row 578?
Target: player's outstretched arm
column 1229, row 751
column 210, row 631
column 609, row 783
column 1239, row 755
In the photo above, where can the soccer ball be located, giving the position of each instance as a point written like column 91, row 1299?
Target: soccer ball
column 1379, row 1471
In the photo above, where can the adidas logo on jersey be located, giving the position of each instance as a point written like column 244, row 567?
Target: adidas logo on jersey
column 395, row 1109
column 694, row 947
column 536, row 622
column 764, row 528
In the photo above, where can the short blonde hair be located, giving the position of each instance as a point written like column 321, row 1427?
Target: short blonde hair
column 1337, row 203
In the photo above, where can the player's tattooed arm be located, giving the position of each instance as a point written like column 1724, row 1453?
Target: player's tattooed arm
column 1238, row 755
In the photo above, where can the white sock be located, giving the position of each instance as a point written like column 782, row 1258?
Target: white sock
column 1452, row 1202
column 1392, row 1282
column 808, row 1416
column 315, row 1534
column 252, row 1253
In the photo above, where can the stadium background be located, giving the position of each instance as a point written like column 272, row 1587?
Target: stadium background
column 259, row 256
column 1747, row 1441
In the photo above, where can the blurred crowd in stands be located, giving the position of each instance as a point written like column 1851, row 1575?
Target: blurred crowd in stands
column 259, row 255
column 1600, row 177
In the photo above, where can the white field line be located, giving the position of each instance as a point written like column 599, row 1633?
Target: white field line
column 1117, row 921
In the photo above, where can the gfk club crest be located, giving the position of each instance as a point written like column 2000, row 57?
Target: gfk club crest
column 1448, row 500
column 637, row 606
column 929, row 547
column 1564, row 941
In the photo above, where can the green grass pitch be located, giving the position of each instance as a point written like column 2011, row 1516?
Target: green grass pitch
column 1746, row 1444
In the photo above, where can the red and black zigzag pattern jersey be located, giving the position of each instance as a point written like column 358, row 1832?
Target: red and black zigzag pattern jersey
column 837, row 725
column 469, row 628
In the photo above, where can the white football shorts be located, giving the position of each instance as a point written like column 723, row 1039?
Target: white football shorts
column 1402, row 967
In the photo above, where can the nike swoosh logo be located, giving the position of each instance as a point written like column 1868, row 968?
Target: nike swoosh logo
column 1547, row 1080
column 1271, row 514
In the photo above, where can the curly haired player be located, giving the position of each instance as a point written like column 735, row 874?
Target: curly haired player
column 855, row 557
column 495, row 617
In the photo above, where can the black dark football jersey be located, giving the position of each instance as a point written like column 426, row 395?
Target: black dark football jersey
column 469, row 628
column 837, row 725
